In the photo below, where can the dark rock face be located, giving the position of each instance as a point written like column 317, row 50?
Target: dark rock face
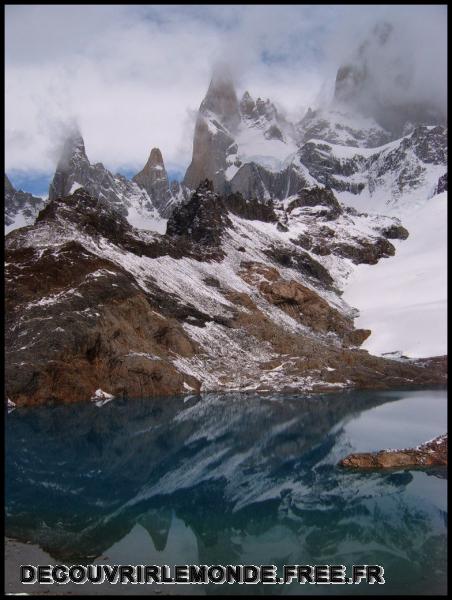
column 251, row 209
column 20, row 205
column 220, row 119
column 255, row 181
column 104, row 332
column 430, row 454
column 395, row 232
column 442, row 184
column 317, row 197
column 95, row 217
column 364, row 251
column 202, row 219
column 301, row 303
column 302, row 262
column 334, row 127
column 325, row 167
column 429, row 146
column 212, row 142
column 405, row 163
column 72, row 167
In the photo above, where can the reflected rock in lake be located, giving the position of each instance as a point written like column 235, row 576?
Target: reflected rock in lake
column 242, row 479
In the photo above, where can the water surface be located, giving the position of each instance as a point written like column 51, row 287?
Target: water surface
column 232, row 479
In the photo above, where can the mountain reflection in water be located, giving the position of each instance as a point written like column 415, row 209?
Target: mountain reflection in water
column 230, row 479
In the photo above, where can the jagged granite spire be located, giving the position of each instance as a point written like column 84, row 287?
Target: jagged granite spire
column 154, row 179
column 221, row 99
column 73, row 166
column 218, row 119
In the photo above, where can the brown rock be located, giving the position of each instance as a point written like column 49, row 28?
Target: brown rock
column 432, row 453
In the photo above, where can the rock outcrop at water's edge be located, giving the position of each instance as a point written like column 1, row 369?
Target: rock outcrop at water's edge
column 225, row 300
column 429, row 454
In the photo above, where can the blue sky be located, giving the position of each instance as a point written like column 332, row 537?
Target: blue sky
column 133, row 76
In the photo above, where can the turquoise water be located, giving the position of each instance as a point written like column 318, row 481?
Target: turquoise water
column 233, row 479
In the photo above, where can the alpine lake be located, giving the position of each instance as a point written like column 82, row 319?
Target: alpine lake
column 229, row 479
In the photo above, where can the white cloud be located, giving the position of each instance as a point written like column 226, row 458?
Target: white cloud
column 133, row 76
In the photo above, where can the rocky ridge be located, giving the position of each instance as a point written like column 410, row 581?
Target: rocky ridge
column 138, row 204
column 222, row 301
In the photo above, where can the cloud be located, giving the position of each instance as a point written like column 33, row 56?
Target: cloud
column 134, row 76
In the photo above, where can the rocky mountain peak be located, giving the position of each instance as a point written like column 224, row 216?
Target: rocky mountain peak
column 221, row 99
column 154, row 179
column 218, row 118
column 202, row 219
column 155, row 159
column 73, row 160
column 73, row 150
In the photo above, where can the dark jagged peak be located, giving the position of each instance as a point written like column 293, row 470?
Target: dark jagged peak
column 247, row 105
column 221, row 99
column 218, row 116
column 266, row 109
column 350, row 81
column 73, row 150
column 204, row 187
column 202, row 219
column 355, row 77
column 73, row 166
column 257, row 110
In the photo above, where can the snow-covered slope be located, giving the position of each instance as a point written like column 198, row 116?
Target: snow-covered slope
column 404, row 300
column 237, row 295
column 400, row 173
column 21, row 208
column 341, row 127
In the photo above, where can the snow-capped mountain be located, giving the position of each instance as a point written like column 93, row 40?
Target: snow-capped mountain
column 393, row 174
column 243, row 146
column 21, row 208
column 248, row 147
column 246, row 275
column 74, row 171
column 337, row 126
